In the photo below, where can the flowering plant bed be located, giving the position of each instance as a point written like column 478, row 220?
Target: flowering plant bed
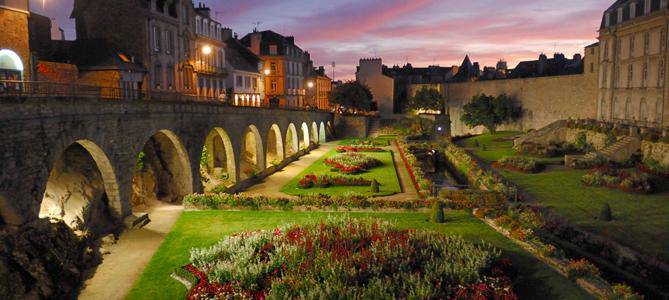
column 349, row 259
column 230, row 201
column 352, row 162
column 358, row 148
column 629, row 181
column 323, row 181
column 519, row 164
column 417, row 175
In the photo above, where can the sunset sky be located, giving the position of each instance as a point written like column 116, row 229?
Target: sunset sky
column 425, row 32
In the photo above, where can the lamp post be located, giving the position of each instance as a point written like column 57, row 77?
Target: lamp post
column 310, row 86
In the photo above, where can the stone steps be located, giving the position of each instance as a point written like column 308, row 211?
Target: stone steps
column 373, row 127
column 620, row 151
column 136, row 220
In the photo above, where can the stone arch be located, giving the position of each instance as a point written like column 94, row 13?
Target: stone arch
column 643, row 110
column 304, row 141
column 217, row 163
column 292, row 141
column 82, row 189
column 314, row 133
column 329, row 130
column 252, row 160
column 162, row 173
column 274, row 144
column 11, row 64
column 322, row 135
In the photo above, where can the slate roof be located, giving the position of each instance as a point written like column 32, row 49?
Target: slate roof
column 239, row 57
column 270, row 37
column 625, row 4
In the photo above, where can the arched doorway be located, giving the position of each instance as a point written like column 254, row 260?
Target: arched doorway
column 162, row 172
column 304, row 141
column 659, row 110
column 329, row 130
column 643, row 111
column 275, row 153
column 292, row 141
column 322, row 135
column 217, row 163
column 82, row 190
column 11, row 66
column 314, row 133
column 252, row 159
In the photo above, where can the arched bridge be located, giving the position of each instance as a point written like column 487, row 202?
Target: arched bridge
column 95, row 159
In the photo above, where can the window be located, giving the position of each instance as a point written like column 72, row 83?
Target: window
column 646, row 42
column 646, row 7
column 157, row 76
column 632, row 40
column 274, row 85
column 628, row 109
column 170, row 41
column 170, row 77
column 240, row 81
column 273, row 50
column 156, row 38
column 660, row 77
column 254, row 81
column 272, row 67
column 632, row 10
column 630, row 74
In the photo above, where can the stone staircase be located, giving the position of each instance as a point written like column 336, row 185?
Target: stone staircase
column 373, row 126
column 136, row 220
column 620, row 151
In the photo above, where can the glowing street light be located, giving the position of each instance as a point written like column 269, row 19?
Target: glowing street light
column 206, row 50
column 310, row 84
column 267, row 72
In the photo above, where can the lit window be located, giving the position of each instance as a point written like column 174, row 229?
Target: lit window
column 273, row 50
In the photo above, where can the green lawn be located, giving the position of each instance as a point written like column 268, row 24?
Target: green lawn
column 640, row 221
column 385, row 174
column 497, row 146
column 204, row 228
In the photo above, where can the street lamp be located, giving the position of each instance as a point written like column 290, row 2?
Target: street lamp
column 310, row 84
column 267, row 72
column 206, row 49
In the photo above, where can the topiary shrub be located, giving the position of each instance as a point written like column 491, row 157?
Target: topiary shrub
column 605, row 213
column 484, row 147
column 437, row 213
column 375, row 186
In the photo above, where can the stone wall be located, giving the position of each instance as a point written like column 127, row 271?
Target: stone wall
column 370, row 73
column 14, row 36
column 544, row 99
column 56, row 72
column 351, row 126
column 36, row 132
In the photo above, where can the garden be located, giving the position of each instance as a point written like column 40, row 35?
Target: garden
column 230, row 252
column 355, row 167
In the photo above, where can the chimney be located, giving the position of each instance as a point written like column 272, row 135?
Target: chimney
column 226, row 33
column 203, row 10
column 578, row 57
column 256, row 38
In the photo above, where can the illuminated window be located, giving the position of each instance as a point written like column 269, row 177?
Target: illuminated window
column 273, row 50
column 274, row 85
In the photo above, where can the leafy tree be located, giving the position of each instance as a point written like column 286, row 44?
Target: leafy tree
column 490, row 112
column 352, row 94
column 428, row 99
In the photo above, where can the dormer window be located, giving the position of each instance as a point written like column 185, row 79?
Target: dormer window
column 620, row 15
column 273, row 50
column 632, row 10
column 607, row 19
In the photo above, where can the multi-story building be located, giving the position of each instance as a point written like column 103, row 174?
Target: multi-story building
column 154, row 33
column 14, row 47
column 318, row 89
column 245, row 81
column 284, row 66
column 209, row 62
column 632, row 63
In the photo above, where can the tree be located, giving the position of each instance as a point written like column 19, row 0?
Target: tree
column 428, row 99
column 490, row 112
column 352, row 94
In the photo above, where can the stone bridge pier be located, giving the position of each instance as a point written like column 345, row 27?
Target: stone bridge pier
column 92, row 159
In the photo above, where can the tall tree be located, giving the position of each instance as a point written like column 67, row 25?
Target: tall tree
column 490, row 112
column 353, row 94
column 428, row 99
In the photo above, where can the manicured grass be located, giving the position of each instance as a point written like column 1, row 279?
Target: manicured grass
column 385, row 174
column 639, row 221
column 204, row 228
column 497, row 146
column 381, row 141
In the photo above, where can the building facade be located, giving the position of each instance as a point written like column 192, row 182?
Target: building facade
column 382, row 86
column 285, row 65
column 14, row 46
column 210, row 66
column 632, row 56
column 318, row 89
column 245, row 82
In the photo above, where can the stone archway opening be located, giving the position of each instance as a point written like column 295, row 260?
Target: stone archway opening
column 304, row 141
column 329, row 131
column 275, row 149
column 217, row 162
column 82, row 190
column 314, row 133
column 322, row 135
column 11, row 66
column 252, row 158
column 162, row 173
column 292, row 141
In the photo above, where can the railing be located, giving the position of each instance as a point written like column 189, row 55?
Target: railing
column 10, row 89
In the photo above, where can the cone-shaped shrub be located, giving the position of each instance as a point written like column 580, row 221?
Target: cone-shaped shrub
column 375, row 186
column 437, row 213
column 605, row 214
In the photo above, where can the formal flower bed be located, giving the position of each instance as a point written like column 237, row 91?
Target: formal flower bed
column 348, row 259
column 352, row 162
column 358, row 148
column 477, row 176
column 417, row 175
column 654, row 167
column 324, row 181
column 630, row 181
column 230, row 201
column 519, row 163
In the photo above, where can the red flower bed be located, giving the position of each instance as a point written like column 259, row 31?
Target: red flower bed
column 342, row 149
column 324, row 181
column 352, row 162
